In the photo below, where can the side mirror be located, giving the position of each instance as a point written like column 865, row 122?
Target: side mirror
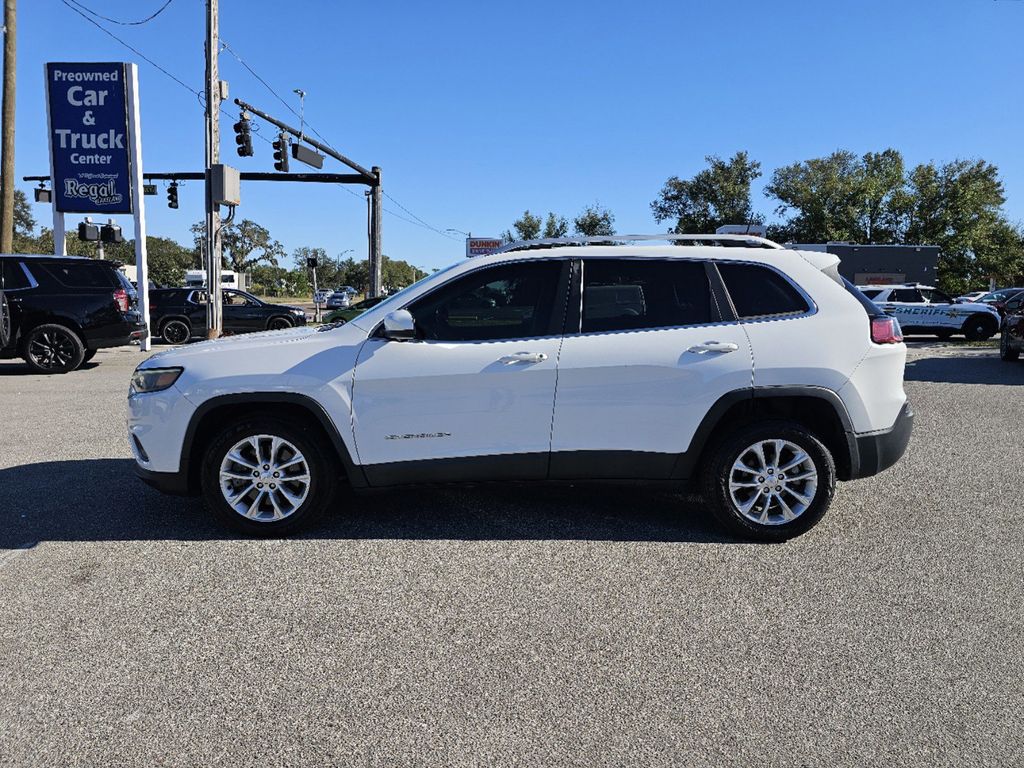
column 399, row 326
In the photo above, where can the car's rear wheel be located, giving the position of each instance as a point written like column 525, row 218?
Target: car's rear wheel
column 279, row 323
column 176, row 331
column 1007, row 352
column 980, row 327
column 5, row 321
column 53, row 348
column 265, row 477
column 769, row 482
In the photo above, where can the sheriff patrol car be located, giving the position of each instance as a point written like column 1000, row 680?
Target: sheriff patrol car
column 926, row 309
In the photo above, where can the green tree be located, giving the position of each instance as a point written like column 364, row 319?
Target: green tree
column 823, row 198
column 720, row 194
column 167, row 260
column 555, row 226
column 958, row 207
column 527, row 227
column 594, row 221
column 243, row 244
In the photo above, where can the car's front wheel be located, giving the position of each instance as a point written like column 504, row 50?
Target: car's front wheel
column 266, row 477
column 53, row 348
column 769, row 482
column 1006, row 351
column 279, row 323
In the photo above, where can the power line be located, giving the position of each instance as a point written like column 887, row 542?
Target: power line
column 140, row 22
column 418, row 221
column 133, row 49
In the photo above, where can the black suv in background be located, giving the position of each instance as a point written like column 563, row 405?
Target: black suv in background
column 61, row 309
column 178, row 314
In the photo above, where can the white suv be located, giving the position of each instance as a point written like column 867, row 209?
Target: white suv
column 926, row 309
column 753, row 372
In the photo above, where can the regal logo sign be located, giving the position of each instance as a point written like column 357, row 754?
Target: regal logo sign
column 88, row 117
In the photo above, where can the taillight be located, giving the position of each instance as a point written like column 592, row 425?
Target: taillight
column 121, row 297
column 886, row 330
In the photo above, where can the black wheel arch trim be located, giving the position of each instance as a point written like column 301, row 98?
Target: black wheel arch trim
column 686, row 465
column 353, row 472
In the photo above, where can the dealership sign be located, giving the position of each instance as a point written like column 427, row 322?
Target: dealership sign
column 481, row 246
column 89, row 137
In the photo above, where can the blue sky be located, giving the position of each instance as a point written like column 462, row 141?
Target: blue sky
column 477, row 110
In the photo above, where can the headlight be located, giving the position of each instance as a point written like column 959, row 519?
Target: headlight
column 154, row 379
column 299, row 312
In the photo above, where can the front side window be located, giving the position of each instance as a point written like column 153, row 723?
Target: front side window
column 758, row 291
column 933, row 296
column 510, row 301
column 631, row 294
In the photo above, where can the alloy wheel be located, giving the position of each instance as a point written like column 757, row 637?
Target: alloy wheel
column 264, row 478
column 51, row 349
column 176, row 332
column 772, row 482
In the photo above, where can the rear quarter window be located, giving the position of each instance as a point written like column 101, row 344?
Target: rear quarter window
column 82, row 275
column 758, row 291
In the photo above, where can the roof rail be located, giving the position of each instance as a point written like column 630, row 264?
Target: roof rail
column 735, row 241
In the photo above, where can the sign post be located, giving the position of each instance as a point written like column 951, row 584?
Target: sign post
column 96, row 152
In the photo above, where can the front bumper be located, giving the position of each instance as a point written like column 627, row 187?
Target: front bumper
column 880, row 450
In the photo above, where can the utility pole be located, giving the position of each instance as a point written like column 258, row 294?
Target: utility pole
column 214, row 309
column 7, row 129
column 375, row 248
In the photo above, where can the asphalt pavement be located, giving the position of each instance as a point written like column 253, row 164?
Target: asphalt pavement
column 525, row 626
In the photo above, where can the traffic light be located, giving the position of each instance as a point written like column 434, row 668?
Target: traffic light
column 172, row 195
column 312, row 262
column 243, row 137
column 281, row 153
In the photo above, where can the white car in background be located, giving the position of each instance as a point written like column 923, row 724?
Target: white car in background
column 925, row 309
column 971, row 297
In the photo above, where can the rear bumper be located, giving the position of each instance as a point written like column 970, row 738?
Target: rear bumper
column 173, row 483
column 880, row 450
column 117, row 335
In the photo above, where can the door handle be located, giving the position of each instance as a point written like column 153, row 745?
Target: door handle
column 713, row 346
column 523, row 357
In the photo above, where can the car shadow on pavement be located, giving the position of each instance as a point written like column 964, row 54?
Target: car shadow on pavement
column 964, row 369
column 102, row 500
column 18, row 368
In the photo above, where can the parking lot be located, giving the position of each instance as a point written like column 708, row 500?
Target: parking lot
column 525, row 625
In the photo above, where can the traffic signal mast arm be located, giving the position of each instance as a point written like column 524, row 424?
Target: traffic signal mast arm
column 301, row 137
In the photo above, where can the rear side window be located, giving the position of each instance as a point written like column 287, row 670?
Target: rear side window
column 628, row 294
column 14, row 275
column 758, row 291
column 909, row 295
column 83, row 275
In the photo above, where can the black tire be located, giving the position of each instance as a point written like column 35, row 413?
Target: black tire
column 307, row 440
column 5, row 321
column 176, row 331
column 944, row 335
column 719, row 468
column 279, row 323
column 1006, row 352
column 980, row 327
column 53, row 348
column 89, row 355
